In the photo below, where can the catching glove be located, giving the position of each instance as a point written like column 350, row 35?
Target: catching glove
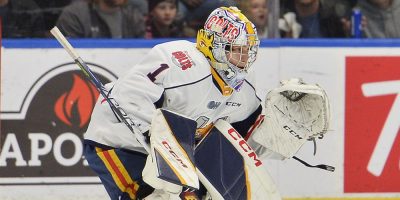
column 294, row 113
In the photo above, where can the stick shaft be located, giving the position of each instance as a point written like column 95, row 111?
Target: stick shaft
column 100, row 87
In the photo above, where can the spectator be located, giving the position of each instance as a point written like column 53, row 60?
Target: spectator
column 195, row 12
column 142, row 5
column 319, row 18
column 101, row 19
column 288, row 26
column 383, row 18
column 21, row 18
column 51, row 10
column 162, row 21
column 257, row 12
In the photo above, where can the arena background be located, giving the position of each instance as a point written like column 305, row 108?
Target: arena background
column 46, row 104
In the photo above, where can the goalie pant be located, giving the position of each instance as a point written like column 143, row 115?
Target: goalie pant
column 174, row 76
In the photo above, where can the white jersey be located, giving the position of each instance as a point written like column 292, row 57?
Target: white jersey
column 177, row 77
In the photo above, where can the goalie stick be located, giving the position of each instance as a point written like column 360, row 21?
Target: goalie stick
column 100, row 87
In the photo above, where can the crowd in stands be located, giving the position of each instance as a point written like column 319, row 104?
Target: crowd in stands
column 182, row 18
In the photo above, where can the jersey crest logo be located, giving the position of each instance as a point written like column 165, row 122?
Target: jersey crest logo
column 182, row 59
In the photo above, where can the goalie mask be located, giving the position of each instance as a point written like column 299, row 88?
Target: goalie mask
column 230, row 43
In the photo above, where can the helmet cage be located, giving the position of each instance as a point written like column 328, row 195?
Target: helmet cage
column 243, row 53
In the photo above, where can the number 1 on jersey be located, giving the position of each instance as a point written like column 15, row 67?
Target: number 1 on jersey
column 152, row 75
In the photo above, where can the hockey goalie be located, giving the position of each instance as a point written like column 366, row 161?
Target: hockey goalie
column 196, row 106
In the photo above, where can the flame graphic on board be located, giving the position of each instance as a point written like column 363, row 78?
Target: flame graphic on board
column 80, row 99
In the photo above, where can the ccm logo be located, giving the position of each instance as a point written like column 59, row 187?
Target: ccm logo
column 292, row 132
column 166, row 145
column 245, row 147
